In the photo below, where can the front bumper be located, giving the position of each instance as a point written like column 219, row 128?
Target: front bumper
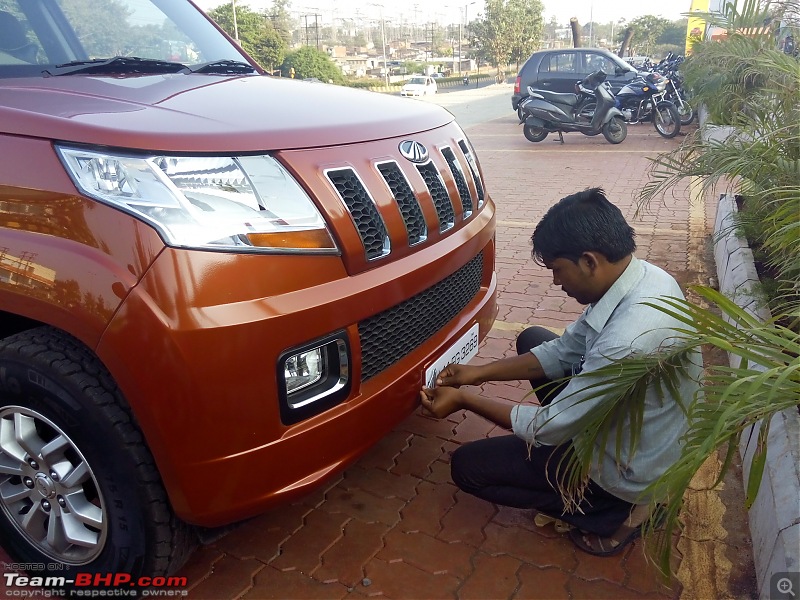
column 208, row 403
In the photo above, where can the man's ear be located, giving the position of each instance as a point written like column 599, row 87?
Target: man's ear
column 591, row 260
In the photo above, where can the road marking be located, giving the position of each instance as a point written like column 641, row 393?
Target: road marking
column 506, row 326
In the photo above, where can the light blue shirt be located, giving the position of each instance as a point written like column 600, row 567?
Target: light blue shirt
column 616, row 326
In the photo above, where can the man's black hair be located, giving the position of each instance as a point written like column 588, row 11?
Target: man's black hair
column 583, row 222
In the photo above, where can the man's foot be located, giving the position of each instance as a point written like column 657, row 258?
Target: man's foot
column 605, row 546
column 541, row 519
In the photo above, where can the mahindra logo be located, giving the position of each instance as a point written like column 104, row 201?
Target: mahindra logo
column 414, row 151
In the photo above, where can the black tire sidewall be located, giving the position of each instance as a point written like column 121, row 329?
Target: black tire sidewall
column 676, row 118
column 89, row 428
column 534, row 134
column 607, row 130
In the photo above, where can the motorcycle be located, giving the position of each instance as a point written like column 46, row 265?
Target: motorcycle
column 590, row 111
column 644, row 98
column 668, row 67
column 465, row 80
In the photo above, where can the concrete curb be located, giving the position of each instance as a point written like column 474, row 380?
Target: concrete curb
column 775, row 516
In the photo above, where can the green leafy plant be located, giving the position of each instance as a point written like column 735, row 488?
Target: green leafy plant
column 746, row 83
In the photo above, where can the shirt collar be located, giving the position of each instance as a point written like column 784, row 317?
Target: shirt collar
column 598, row 313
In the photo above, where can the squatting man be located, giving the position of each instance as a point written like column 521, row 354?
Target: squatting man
column 587, row 244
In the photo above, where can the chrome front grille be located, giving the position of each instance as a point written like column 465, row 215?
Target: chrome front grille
column 390, row 335
column 414, row 189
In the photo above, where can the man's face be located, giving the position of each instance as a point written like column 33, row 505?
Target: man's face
column 577, row 280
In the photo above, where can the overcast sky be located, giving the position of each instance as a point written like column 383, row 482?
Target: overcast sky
column 448, row 11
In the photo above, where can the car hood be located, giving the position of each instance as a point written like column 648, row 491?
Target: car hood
column 205, row 113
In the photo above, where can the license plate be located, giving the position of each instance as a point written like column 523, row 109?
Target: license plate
column 461, row 352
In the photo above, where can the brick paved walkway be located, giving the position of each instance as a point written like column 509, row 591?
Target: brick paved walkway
column 394, row 525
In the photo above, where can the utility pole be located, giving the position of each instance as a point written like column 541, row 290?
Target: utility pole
column 235, row 26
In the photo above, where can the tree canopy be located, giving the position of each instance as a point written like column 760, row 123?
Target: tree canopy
column 509, row 31
column 257, row 34
column 309, row 62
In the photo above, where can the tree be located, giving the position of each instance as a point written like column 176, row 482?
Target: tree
column 526, row 25
column 257, row 35
column 646, row 30
column 492, row 35
column 282, row 20
column 309, row 62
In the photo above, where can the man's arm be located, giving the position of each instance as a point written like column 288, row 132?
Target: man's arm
column 524, row 366
column 443, row 401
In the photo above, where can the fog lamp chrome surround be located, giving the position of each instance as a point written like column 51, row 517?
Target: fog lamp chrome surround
column 313, row 377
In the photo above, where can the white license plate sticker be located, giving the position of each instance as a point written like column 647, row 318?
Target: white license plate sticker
column 461, row 352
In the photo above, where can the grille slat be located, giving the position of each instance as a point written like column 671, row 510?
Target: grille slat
column 461, row 182
column 389, row 336
column 362, row 209
column 473, row 167
column 407, row 202
column 439, row 195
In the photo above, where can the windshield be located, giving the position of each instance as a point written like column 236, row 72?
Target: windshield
column 417, row 80
column 43, row 36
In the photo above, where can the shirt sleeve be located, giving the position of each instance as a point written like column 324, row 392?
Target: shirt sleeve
column 558, row 356
column 557, row 422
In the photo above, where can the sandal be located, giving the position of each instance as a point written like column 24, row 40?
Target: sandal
column 541, row 519
column 605, row 546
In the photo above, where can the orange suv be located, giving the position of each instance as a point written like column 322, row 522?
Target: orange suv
column 217, row 288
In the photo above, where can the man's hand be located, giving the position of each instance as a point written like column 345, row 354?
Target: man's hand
column 440, row 402
column 455, row 375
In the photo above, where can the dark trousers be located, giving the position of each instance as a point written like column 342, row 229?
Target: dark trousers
column 503, row 470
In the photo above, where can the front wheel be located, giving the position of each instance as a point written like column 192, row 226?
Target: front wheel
column 534, row 134
column 685, row 112
column 615, row 131
column 666, row 119
column 78, row 485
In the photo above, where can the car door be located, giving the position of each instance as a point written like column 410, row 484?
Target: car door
column 558, row 72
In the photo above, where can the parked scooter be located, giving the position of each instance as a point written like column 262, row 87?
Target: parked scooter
column 543, row 112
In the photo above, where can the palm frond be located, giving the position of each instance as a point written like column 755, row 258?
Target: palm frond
column 766, row 380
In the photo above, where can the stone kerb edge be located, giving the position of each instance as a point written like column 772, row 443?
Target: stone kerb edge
column 775, row 516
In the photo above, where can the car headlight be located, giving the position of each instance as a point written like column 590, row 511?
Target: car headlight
column 243, row 203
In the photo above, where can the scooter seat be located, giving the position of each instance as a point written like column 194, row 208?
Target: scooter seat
column 560, row 98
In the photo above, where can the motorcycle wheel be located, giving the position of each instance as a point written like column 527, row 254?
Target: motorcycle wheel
column 666, row 119
column 520, row 115
column 534, row 134
column 615, row 131
column 80, row 487
column 685, row 112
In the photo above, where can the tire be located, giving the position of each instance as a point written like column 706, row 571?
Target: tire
column 520, row 116
column 615, row 131
column 666, row 119
column 76, row 467
column 685, row 112
column 534, row 134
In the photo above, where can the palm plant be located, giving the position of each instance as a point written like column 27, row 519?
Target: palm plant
column 748, row 84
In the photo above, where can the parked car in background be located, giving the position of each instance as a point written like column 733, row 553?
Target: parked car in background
column 639, row 62
column 212, row 299
column 558, row 70
column 419, row 86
